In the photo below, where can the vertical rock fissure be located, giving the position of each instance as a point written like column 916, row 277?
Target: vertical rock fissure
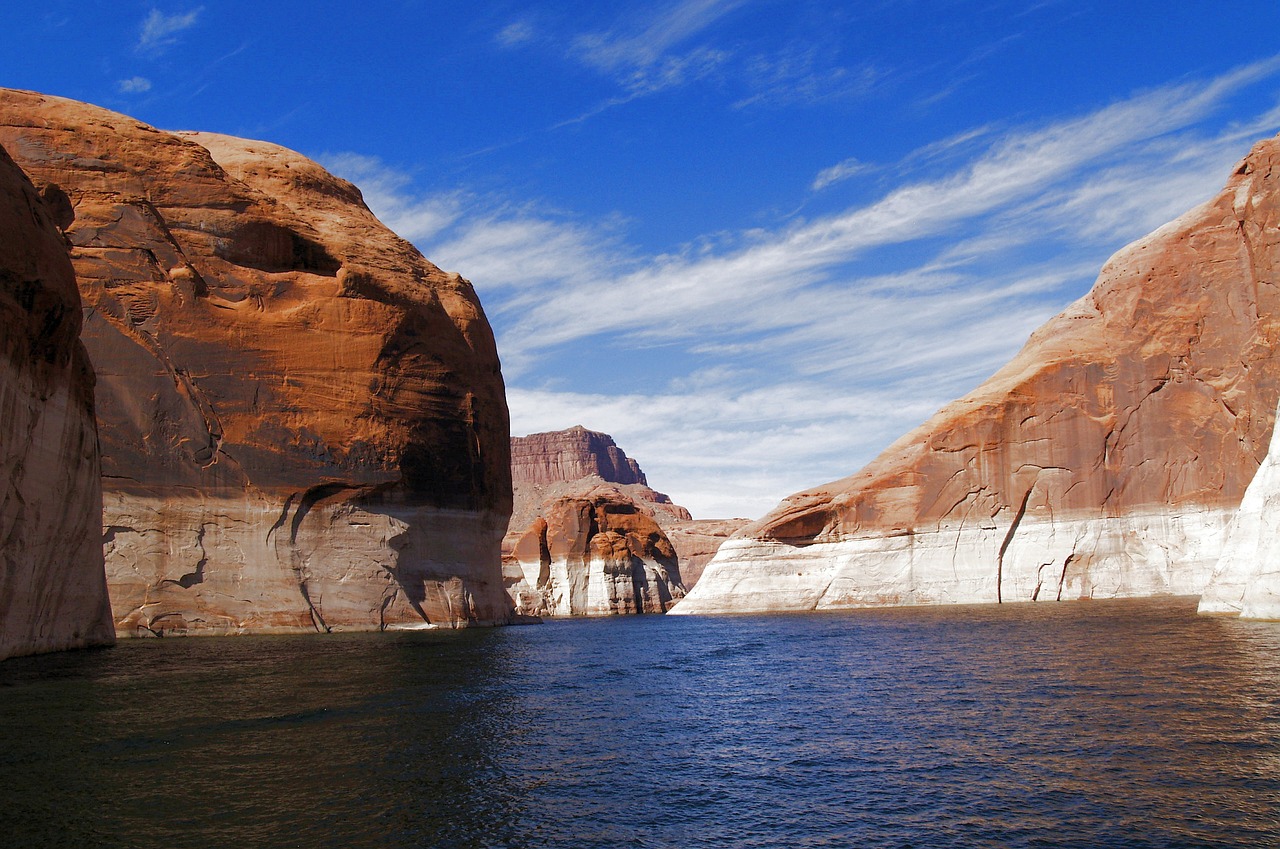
column 1008, row 538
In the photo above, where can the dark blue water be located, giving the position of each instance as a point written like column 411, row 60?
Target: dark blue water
column 1123, row 724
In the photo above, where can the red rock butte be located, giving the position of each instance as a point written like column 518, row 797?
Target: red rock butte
column 303, row 421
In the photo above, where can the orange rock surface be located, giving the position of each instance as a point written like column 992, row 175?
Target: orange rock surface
column 53, row 594
column 303, row 421
column 1104, row 460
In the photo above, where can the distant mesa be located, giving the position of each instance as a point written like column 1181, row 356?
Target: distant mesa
column 587, row 534
column 303, row 421
column 567, row 455
column 1105, row 460
column 53, row 594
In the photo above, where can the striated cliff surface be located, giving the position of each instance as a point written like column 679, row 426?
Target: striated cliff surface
column 52, row 591
column 1105, row 460
column 591, row 543
column 303, row 422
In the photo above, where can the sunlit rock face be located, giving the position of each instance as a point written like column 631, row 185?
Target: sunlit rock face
column 1246, row 581
column 53, row 594
column 1105, row 460
column 590, row 544
column 303, row 421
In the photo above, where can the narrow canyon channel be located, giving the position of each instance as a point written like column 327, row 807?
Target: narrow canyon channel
column 1089, row 724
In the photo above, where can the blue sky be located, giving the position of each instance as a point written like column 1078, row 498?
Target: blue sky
column 754, row 240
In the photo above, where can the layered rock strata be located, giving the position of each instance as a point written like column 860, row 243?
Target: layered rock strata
column 303, row 421
column 1246, row 581
column 1105, row 460
column 53, row 594
column 591, row 543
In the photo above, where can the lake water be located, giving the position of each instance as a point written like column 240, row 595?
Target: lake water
column 1093, row 724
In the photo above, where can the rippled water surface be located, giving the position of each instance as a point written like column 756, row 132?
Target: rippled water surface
column 1091, row 724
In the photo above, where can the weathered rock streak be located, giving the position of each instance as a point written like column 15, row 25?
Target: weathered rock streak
column 53, row 594
column 303, row 421
column 1105, row 460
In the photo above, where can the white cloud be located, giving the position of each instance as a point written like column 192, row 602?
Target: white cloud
column 159, row 31
column 836, row 173
column 689, row 295
column 133, row 85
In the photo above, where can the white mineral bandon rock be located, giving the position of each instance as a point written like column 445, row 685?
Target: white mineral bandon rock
column 1105, row 460
column 53, row 594
column 303, row 421
column 1246, row 581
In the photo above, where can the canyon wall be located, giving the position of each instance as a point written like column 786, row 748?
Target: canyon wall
column 1105, row 460
column 303, row 421
column 585, row 537
column 53, row 594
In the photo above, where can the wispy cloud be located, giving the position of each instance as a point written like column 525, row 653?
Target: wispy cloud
column 836, row 173
column 804, row 74
column 647, row 42
column 812, row 344
column 160, row 31
column 133, row 85
column 517, row 32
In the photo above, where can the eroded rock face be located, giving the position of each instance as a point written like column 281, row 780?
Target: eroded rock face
column 591, row 544
column 303, row 421
column 53, row 594
column 1246, row 581
column 592, row 554
column 1105, row 460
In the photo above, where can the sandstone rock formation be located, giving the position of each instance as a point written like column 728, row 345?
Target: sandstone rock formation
column 53, row 594
column 589, row 543
column 1105, row 460
column 303, row 421
column 1246, row 581
column 593, row 553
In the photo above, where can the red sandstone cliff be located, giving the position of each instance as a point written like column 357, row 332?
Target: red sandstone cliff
column 52, row 591
column 1105, row 460
column 303, row 421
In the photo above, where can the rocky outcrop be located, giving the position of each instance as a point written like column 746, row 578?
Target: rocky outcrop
column 53, row 594
column 591, row 544
column 593, row 553
column 303, row 421
column 1246, row 581
column 1105, row 460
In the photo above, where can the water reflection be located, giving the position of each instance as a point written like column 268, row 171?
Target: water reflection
column 1101, row 724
